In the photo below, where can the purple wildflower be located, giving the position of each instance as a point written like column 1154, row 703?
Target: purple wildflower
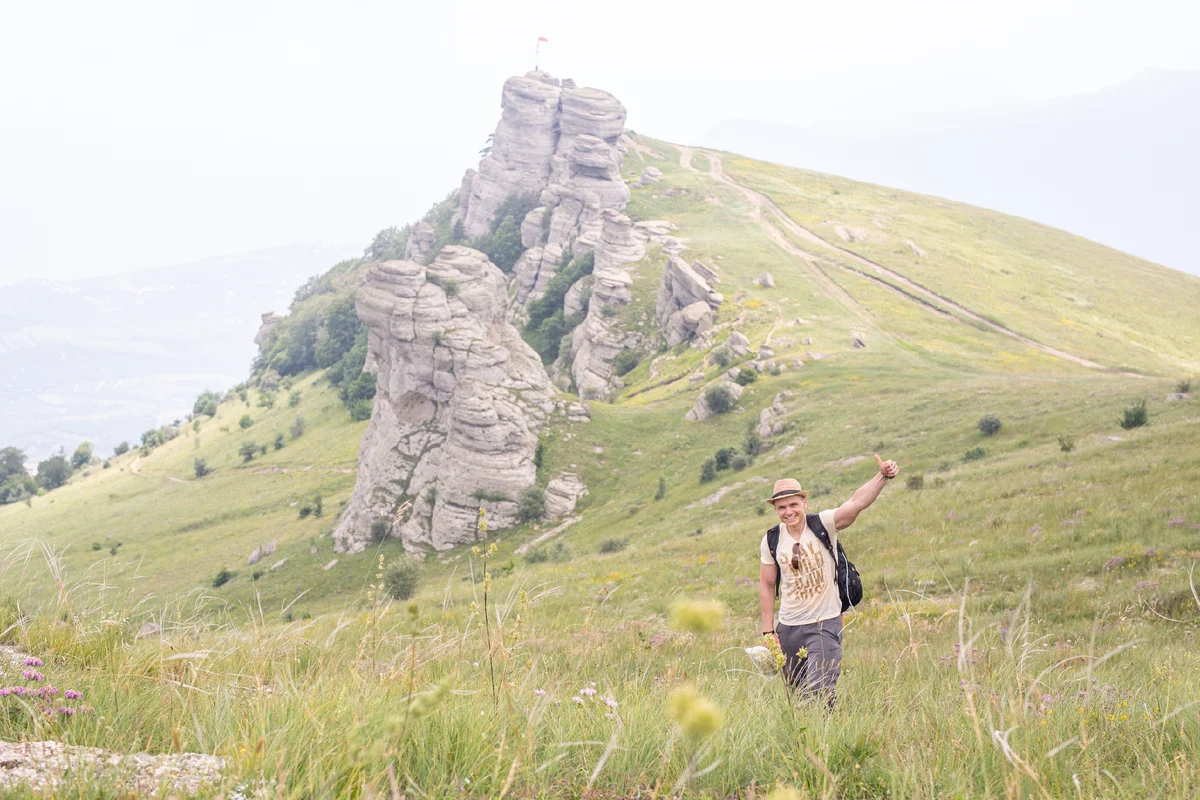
column 66, row 710
column 610, row 702
column 577, row 700
column 33, row 662
column 588, row 692
column 71, row 694
column 537, row 692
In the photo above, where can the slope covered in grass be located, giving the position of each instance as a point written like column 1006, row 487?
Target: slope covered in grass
column 1005, row 590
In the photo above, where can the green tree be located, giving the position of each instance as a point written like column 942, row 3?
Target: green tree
column 245, row 422
column 719, row 400
column 505, row 246
column 532, row 506
column 12, row 462
column 53, row 472
column 82, row 456
column 339, row 329
column 662, row 488
column 724, row 457
column 121, row 449
column 206, row 403
column 247, row 451
column 388, row 244
column 201, row 467
column 708, row 470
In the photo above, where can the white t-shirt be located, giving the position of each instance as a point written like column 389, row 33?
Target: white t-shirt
column 808, row 594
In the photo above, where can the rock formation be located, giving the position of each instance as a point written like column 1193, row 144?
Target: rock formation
column 559, row 143
column 685, row 303
column 596, row 342
column 459, row 400
column 766, row 281
column 770, row 422
column 269, row 321
column 561, row 495
column 420, row 243
column 650, row 175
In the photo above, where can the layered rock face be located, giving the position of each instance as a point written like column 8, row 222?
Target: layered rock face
column 420, row 242
column 558, row 142
column 599, row 338
column 686, row 301
column 460, row 398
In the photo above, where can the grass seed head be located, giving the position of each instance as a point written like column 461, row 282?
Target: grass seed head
column 697, row 616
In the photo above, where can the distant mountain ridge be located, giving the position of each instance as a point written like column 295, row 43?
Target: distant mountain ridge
column 103, row 359
column 1116, row 166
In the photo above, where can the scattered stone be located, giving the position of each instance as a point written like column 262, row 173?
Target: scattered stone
column 807, row 340
column 848, row 234
column 696, row 377
column 685, row 302
column 561, row 495
column 278, row 564
column 1175, row 397
column 766, row 281
column 769, row 422
column 765, row 352
column 650, row 175
column 48, row 767
column 912, row 246
column 550, row 534
column 578, row 412
column 330, row 565
column 738, row 344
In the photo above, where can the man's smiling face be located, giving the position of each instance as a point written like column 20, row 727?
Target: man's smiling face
column 791, row 509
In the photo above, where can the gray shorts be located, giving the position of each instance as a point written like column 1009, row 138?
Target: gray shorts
column 818, row 672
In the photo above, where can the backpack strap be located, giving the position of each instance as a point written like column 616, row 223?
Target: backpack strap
column 773, row 546
column 819, row 530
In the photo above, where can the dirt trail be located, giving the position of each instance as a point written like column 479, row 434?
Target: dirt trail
column 908, row 288
column 136, row 468
column 756, row 203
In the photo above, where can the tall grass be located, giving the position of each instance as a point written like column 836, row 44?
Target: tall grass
column 945, row 694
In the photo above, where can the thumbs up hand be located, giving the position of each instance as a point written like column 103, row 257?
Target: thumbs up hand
column 888, row 469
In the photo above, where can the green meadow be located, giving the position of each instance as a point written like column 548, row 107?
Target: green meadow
column 1030, row 614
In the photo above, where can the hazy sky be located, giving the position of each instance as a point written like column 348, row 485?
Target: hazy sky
column 134, row 134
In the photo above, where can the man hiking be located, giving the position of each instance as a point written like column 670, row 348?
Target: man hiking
column 811, row 605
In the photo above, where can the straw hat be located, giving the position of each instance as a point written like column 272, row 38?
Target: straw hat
column 786, row 487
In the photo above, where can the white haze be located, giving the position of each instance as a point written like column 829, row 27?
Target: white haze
column 134, row 134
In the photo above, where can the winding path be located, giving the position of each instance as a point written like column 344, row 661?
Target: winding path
column 929, row 299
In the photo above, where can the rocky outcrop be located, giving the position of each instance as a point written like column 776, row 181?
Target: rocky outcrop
column 459, row 400
column 269, row 321
column 420, row 243
column 597, row 341
column 766, row 281
column 738, row 344
column 562, row 493
column 577, row 297
column 770, row 419
column 558, row 142
column 650, row 175
column 685, row 303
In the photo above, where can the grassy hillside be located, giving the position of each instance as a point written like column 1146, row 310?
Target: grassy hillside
column 1033, row 591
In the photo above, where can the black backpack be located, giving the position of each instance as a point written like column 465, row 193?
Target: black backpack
column 849, row 583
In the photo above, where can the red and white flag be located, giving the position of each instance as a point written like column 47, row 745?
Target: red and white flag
column 543, row 39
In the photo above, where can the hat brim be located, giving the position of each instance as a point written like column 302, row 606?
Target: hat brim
column 803, row 494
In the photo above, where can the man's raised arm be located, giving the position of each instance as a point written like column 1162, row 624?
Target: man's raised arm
column 848, row 511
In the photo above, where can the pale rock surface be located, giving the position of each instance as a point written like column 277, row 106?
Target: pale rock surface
column 562, row 493
column 766, row 281
column 559, row 143
column 269, row 321
column 47, row 768
column 765, row 351
column 850, row 234
column 701, row 411
column 738, row 344
column 650, row 175
column 685, row 303
column 421, row 242
column 460, row 398
column 769, row 419
column 1175, row 397
column 531, row 227
column 576, row 297
column 597, row 341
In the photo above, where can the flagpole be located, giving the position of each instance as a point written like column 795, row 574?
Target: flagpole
column 537, row 50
